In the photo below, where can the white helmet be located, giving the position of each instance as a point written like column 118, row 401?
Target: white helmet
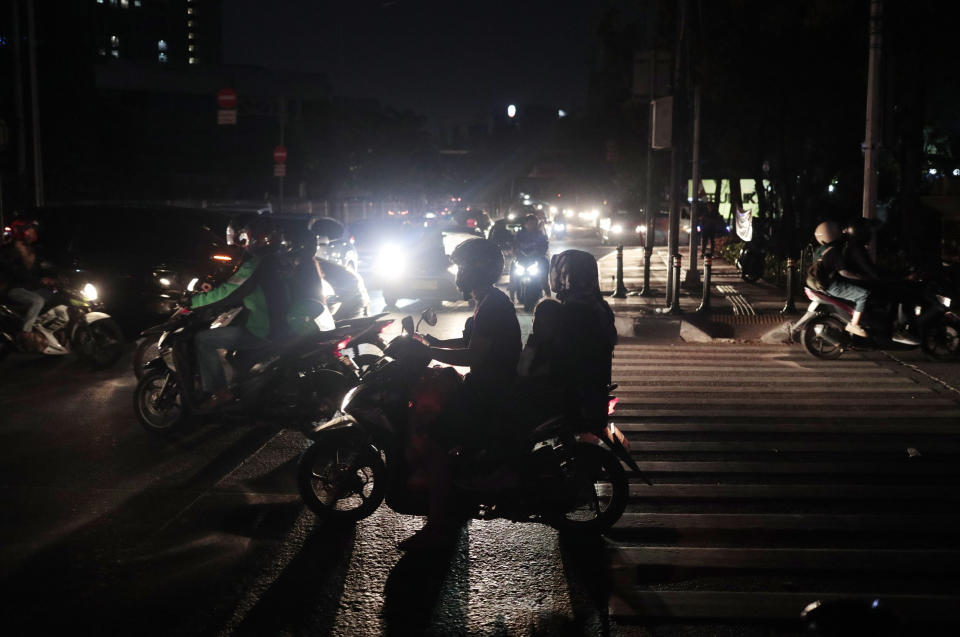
column 827, row 232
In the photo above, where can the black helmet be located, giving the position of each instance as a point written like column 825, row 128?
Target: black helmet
column 531, row 218
column 860, row 230
column 574, row 271
column 479, row 264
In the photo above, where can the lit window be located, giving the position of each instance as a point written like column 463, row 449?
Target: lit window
column 192, row 60
column 161, row 45
column 189, row 23
column 162, row 58
column 189, row 10
column 190, row 35
column 115, row 53
column 191, row 47
column 114, row 42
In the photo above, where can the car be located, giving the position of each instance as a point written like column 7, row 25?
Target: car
column 417, row 266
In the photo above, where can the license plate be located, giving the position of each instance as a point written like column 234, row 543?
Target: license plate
column 423, row 284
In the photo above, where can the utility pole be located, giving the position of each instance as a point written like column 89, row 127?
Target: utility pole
column 650, row 217
column 678, row 184
column 870, row 145
column 693, row 275
column 34, row 106
column 18, row 99
column 283, row 124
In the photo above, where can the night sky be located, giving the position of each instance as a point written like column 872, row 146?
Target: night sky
column 450, row 60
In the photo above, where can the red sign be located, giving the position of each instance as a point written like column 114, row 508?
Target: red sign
column 227, row 98
column 280, row 154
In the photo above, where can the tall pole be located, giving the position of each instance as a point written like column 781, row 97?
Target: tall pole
column 283, row 123
column 873, row 116
column 18, row 99
column 34, row 107
column 650, row 217
column 678, row 185
column 693, row 275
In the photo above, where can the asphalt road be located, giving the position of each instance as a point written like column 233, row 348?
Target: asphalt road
column 110, row 530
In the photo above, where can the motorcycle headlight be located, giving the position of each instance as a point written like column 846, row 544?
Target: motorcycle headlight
column 532, row 269
column 89, row 292
column 616, row 229
column 559, row 227
column 391, row 262
column 519, row 269
column 641, row 228
column 944, row 300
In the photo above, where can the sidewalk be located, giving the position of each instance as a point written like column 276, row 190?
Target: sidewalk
column 740, row 311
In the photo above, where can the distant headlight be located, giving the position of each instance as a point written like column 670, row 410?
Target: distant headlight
column 164, row 282
column 559, row 227
column 89, row 292
column 617, row 229
column 945, row 300
column 519, row 269
column 641, row 228
column 605, row 224
column 392, row 262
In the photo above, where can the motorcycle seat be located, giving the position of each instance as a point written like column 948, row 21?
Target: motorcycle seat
column 817, row 295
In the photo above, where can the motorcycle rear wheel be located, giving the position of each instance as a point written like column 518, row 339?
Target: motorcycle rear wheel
column 598, row 490
column 941, row 341
column 158, row 403
column 827, row 342
column 341, row 481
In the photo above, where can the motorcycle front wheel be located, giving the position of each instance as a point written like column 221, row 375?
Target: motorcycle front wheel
column 941, row 341
column 341, row 481
column 158, row 403
column 824, row 337
column 597, row 492
column 99, row 343
column 146, row 351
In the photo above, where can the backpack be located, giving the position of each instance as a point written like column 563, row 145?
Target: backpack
column 818, row 276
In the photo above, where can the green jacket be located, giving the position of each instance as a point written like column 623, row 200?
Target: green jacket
column 241, row 284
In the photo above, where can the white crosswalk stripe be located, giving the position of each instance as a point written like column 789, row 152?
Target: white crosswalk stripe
column 779, row 480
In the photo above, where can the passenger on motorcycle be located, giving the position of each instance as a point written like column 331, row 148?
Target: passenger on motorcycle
column 29, row 284
column 532, row 242
column 257, row 288
column 490, row 347
column 832, row 273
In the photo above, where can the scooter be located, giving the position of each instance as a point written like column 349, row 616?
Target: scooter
column 71, row 321
column 751, row 261
column 527, row 278
column 822, row 329
column 296, row 382
column 566, row 471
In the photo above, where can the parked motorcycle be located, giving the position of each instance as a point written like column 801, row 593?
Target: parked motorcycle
column 527, row 279
column 72, row 321
column 295, row 382
column 823, row 334
column 751, row 261
column 567, row 471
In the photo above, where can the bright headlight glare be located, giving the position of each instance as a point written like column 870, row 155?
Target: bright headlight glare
column 641, row 228
column 918, row 310
column 605, row 224
column 945, row 300
column 519, row 269
column 616, row 229
column 532, row 268
column 559, row 227
column 165, row 282
column 392, row 262
column 90, row 292
column 192, row 284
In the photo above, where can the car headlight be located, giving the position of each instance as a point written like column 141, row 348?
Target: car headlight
column 945, row 300
column 392, row 262
column 519, row 269
column 641, row 228
column 604, row 224
column 89, row 292
column 617, row 229
column 559, row 227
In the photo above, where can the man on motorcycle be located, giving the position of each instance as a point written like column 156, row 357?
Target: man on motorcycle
column 257, row 287
column 830, row 268
column 490, row 347
column 532, row 242
column 29, row 285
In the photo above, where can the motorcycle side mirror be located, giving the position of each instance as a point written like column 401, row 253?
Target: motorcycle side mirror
column 429, row 316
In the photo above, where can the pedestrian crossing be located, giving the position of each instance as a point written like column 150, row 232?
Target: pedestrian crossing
column 778, row 480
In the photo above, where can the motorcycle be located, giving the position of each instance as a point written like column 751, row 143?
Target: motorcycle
column 527, row 275
column 566, row 472
column 71, row 321
column 751, row 261
column 295, row 382
column 823, row 334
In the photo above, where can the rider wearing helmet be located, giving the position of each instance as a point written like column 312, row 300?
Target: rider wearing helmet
column 29, row 284
column 532, row 242
column 833, row 274
column 257, row 289
column 490, row 347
